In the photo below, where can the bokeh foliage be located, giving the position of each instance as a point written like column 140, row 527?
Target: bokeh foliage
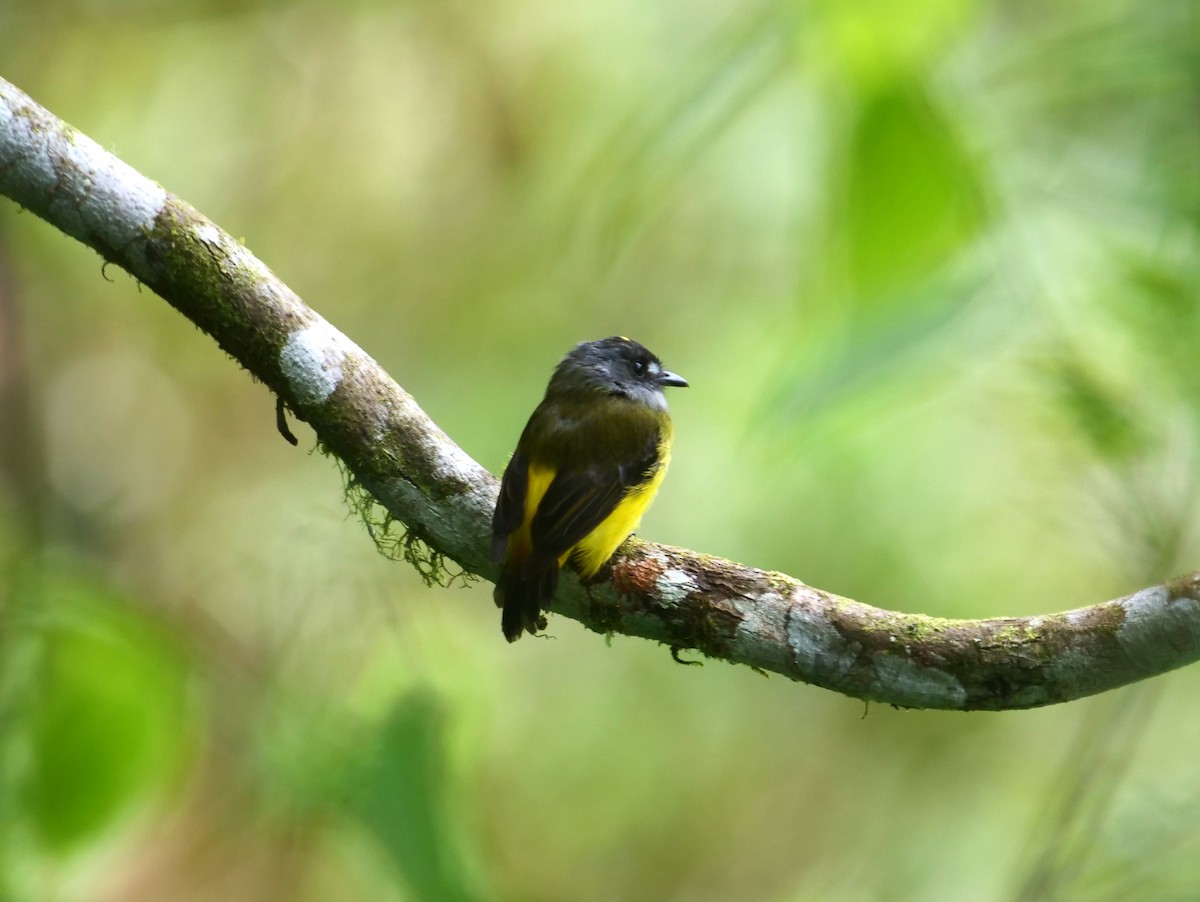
column 931, row 268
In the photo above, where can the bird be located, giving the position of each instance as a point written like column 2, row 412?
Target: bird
column 586, row 467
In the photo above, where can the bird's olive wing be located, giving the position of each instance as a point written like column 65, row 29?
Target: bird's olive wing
column 510, row 506
column 574, row 505
column 579, row 501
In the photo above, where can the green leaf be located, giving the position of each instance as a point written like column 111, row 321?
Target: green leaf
column 913, row 197
column 104, row 720
column 1095, row 409
column 403, row 801
column 877, row 41
column 1158, row 303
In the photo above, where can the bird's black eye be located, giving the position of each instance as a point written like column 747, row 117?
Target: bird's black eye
column 639, row 367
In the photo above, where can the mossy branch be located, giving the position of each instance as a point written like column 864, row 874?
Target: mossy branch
column 768, row 621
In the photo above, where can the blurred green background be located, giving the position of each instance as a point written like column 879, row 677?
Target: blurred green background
column 931, row 268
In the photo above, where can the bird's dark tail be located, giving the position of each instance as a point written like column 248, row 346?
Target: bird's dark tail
column 524, row 591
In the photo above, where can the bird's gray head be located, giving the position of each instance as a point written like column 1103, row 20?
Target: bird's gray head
column 614, row 366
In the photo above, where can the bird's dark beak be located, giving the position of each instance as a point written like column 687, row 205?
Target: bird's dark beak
column 668, row 378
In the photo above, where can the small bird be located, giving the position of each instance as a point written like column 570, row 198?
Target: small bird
column 586, row 467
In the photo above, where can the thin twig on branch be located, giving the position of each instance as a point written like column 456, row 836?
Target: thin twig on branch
column 766, row 620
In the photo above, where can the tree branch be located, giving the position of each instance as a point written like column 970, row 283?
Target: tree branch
column 768, row 621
